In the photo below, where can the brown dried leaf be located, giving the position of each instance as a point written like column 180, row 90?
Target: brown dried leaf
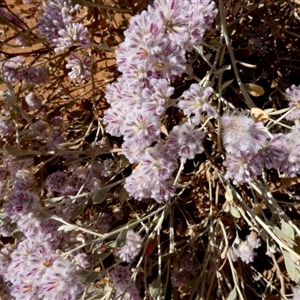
column 254, row 89
column 259, row 115
column 288, row 182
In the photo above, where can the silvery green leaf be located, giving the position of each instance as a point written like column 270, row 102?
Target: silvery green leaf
column 100, row 196
column 290, row 266
column 79, row 209
column 228, row 193
column 66, row 228
column 121, row 239
column 234, row 212
column 287, row 229
column 155, row 288
column 92, row 276
column 284, row 236
column 111, row 244
column 232, row 295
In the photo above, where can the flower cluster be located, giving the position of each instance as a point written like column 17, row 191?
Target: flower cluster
column 14, row 71
column 292, row 95
column 33, row 267
column 80, row 67
column 125, row 288
column 131, row 248
column 245, row 250
column 153, row 54
column 58, row 27
column 249, row 149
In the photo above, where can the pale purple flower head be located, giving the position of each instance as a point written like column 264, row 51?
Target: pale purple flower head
column 22, row 180
column 126, row 92
column 57, row 15
column 184, row 21
column 134, row 150
column 153, row 177
column 58, row 181
column 12, row 67
column 157, row 164
column 185, row 141
column 73, row 34
column 253, row 240
column 292, row 95
column 7, row 127
column 24, row 288
column 51, row 22
column 80, row 67
column 242, row 135
column 242, row 168
column 62, row 280
column 147, row 47
column 114, row 118
column 34, row 75
column 20, row 203
column 245, row 250
column 291, row 165
column 275, row 152
column 125, row 289
column 195, row 101
column 121, row 276
column 131, row 248
column 157, row 95
column 141, row 126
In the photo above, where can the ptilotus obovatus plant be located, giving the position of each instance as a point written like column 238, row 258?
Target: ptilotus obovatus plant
column 216, row 215
column 151, row 56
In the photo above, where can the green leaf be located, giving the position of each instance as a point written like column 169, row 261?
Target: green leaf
column 215, row 43
column 231, row 28
column 88, row 118
column 102, row 256
column 290, row 266
column 226, row 84
column 76, row 114
column 17, row 234
column 25, row 157
column 228, row 193
column 121, row 193
column 92, row 276
column 284, row 237
column 254, row 89
column 111, row 244
column 121, row 239
column 287, row 229
column 66, row 228
column 155, row 288
column 3, row 216
column 232, row 295
column 3, row 21
column 100, row 196
column 234, row 212
column 79, row 209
